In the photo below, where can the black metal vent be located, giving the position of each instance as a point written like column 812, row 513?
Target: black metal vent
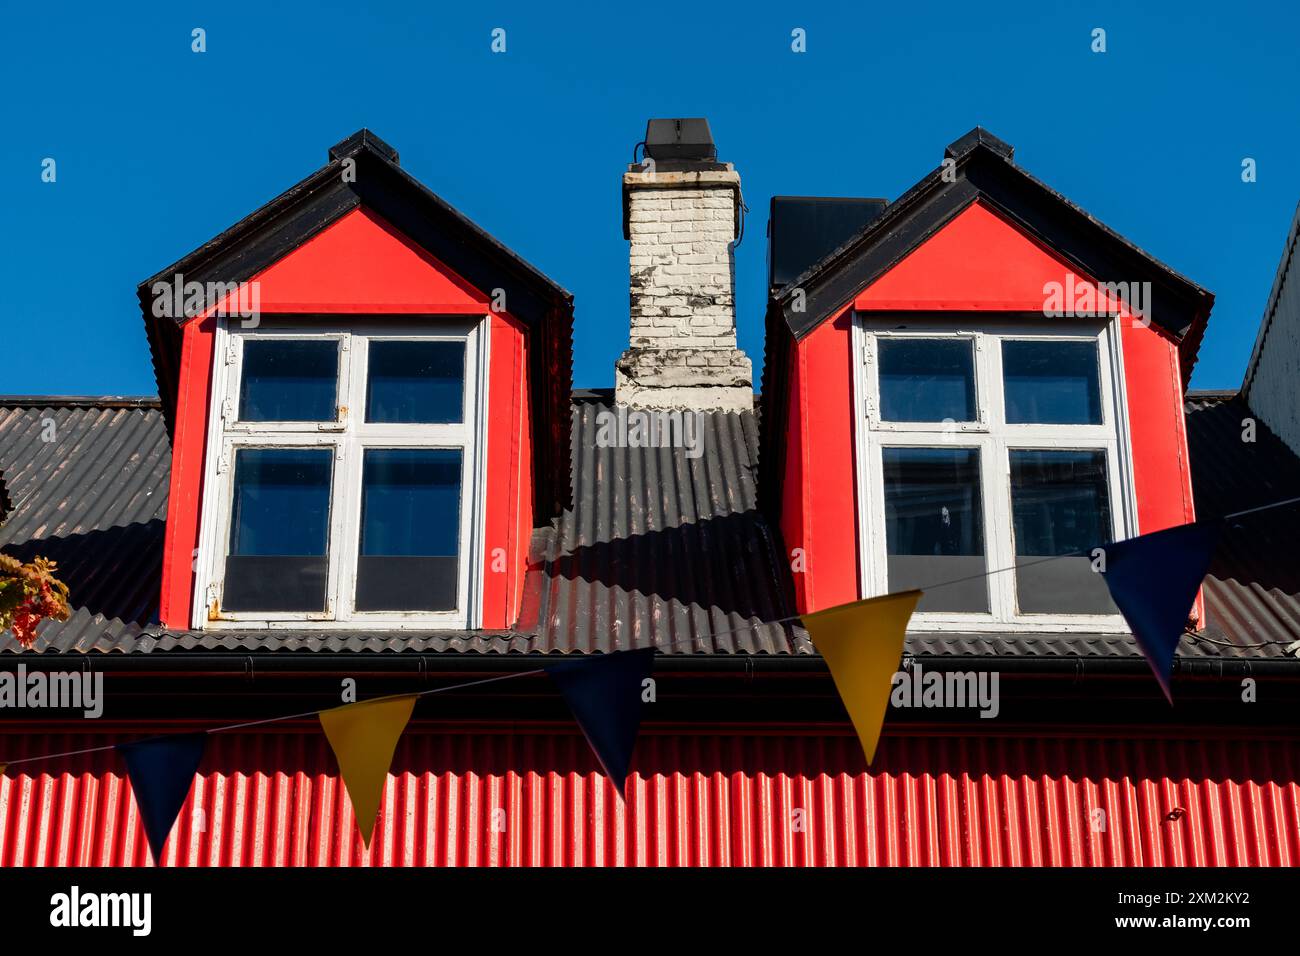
column 803, row 230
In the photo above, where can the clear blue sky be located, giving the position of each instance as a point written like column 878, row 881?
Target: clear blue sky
column 159, row 148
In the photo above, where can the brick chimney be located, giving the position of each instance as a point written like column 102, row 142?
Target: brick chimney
column 681, row 211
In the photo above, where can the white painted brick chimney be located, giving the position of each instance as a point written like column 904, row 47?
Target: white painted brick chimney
column 682, row 352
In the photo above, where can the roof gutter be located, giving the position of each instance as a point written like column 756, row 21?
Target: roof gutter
column 288, row 664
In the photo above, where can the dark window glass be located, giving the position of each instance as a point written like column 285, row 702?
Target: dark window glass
column 279, row 530
column 1051, row 383
column 934, row 526
column 1060, row 504
column 284, row 380
column 420, row 382
column 926, row 380
column 410, row 530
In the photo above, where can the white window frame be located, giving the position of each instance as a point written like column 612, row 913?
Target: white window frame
column 348, row 436
column 995, row 439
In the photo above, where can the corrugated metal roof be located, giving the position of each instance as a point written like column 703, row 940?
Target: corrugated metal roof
column 665, row 549
column 659, row 548
column 1252, row 592
column 466, row 797
column 88, row 477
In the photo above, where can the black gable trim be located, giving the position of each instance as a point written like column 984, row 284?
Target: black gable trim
column 363, row 137
column 294, row 217
column 1088, row 244
column 982, row 170
column 979, row 135
column 828, row 288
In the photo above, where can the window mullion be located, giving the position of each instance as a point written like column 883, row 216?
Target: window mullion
column 352, row 386
column 999, row 533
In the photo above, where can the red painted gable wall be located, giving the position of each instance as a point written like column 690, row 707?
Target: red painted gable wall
column 362, row 265
column 978, row 262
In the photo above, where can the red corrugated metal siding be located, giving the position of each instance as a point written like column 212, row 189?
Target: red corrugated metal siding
column 695, row 800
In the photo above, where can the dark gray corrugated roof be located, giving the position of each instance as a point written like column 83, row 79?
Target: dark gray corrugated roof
column 659, row 548
column 663, row 548
column 88, row 479
column 1252, row 592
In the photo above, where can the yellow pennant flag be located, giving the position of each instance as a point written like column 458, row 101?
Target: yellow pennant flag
column 862, row 643
column 363, row 737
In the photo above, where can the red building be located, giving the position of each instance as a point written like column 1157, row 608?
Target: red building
column 368, row 463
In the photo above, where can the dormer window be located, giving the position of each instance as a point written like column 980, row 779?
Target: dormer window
column 345, row 477
column 982, row 448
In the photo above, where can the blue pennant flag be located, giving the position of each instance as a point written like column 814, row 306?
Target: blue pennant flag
column 162, row 771
column 604, row 691
column 1153, row 579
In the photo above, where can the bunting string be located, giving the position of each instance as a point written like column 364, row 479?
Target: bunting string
column 303, row 716
column 739, row 630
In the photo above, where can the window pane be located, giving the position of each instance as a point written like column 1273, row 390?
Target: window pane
column 1060, row 504
column 934, row 528
column 410, row 530
column 926, row 380
column 1051, row 383
column 279, row 530
column 416, row 382
column 289, row 381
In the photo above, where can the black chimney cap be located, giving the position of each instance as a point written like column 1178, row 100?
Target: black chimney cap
column 682, row 139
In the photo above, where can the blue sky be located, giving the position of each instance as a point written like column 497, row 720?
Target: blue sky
column 159, row 148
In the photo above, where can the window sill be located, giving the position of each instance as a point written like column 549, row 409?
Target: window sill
column 1036, row 624
column 386, row 623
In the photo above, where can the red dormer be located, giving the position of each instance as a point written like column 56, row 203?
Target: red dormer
column 975, row 376
column 368, row 399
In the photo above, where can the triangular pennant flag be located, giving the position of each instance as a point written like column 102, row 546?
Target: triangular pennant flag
column 363, row 737
column 862, row 643
column 604, row 693
column 1153, row 580
column 162, row 771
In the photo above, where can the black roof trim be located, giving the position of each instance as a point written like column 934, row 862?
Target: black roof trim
column 327, row 197
column 377, row 182
column 363, row 138
column 80, row 401
column 979, row 136
column 981, row 169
